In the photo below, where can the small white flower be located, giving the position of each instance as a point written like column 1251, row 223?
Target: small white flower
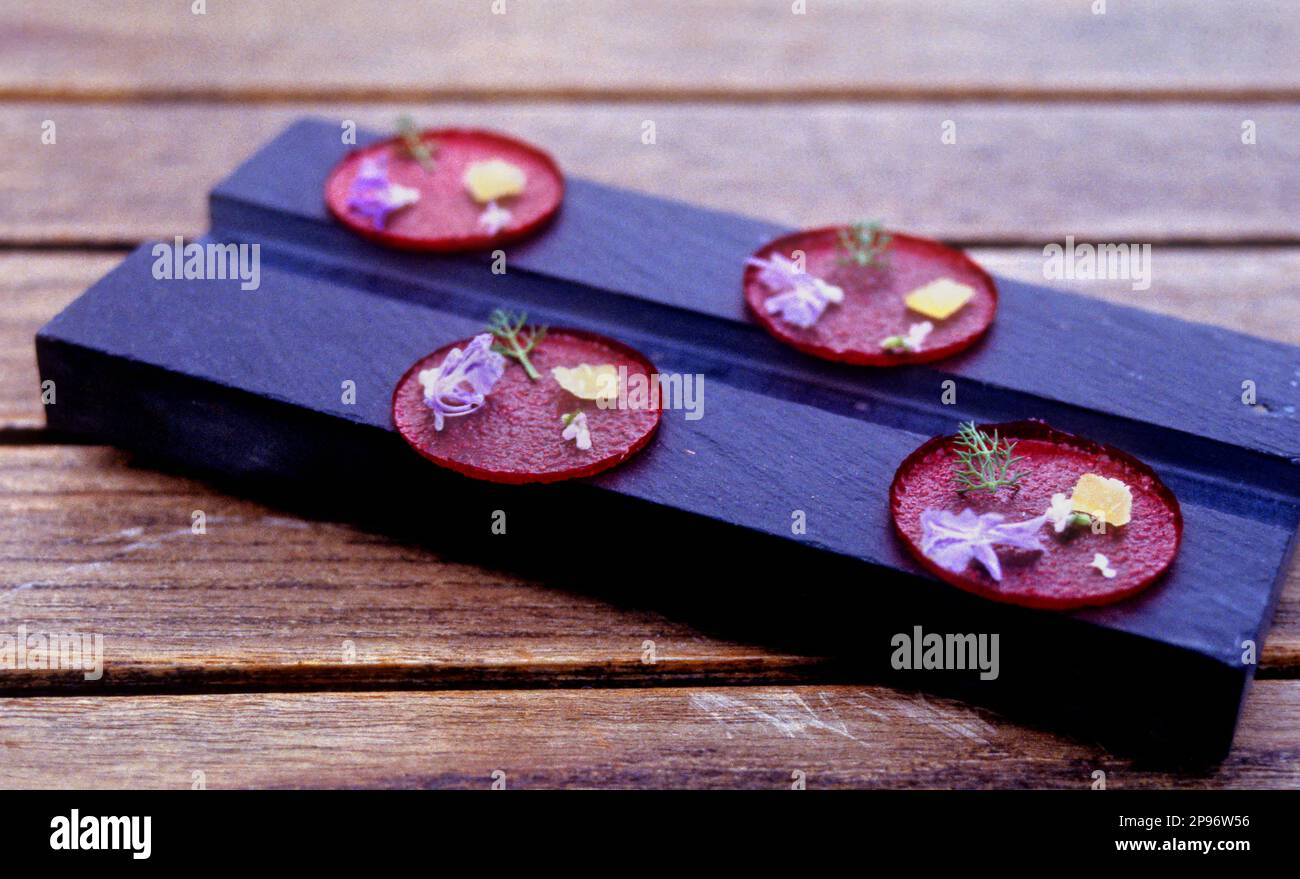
column 400, row 196
column 1101, row 563
column 1061, row 512
column 916, row 334
column 494, row 218
column 576, row 430
column 915, row 337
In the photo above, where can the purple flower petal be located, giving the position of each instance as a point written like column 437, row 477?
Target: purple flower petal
column 796, row 307
column 778, row 274
column 374, row 196
column 984, row 554
column 952, row 541
column 800, row 298
column 461, row 383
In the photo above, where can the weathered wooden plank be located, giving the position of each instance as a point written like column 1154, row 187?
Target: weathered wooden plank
column 314, row 48
column 34, row 287
column 1131, row 173
column 753, row 737
column 1249, row 289
column 90, row 543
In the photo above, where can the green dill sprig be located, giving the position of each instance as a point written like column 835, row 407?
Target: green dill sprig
column 863, row 244
column 984, row 462
column 514, row 340
column 415, row 145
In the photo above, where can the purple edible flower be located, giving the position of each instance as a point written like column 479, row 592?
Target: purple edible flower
column 951, row 541
column 778, row 274
column 460, row 385
column 374, row 196
column 800, row 298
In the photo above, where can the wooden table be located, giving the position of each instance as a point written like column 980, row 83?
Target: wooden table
column 280, row 650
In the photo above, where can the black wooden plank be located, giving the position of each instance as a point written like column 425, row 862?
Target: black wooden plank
column 247, row 384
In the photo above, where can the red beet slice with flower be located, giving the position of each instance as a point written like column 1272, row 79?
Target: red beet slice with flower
column 516, row 436
column 873, row 306
column 446, row 218
column 1062, row 575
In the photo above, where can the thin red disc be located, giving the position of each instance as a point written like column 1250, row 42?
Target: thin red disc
column 446, row 218
column 1062, row 576
column 516, row 436
column 873, row 308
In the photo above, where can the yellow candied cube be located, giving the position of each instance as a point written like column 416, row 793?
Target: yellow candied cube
column 1109, row 500
column 493, row 179
column 939, row 299
column 588, row 382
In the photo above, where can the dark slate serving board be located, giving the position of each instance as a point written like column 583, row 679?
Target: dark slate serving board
column 246, row 385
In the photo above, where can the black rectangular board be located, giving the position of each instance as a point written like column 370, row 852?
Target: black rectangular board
column 245, row 386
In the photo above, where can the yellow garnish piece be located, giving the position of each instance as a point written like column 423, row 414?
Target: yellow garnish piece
column 939, row 299
column 493, row 179
column 588, row 382
column 1106, row 499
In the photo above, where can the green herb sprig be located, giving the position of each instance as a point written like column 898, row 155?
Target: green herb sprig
column 863, row 244
column 984, row 463
column 514, row 339
column 415, row 145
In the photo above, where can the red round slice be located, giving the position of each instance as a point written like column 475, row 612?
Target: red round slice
column 873, row 308
column 446, row 218
column 515, row 437
column 1062, row 576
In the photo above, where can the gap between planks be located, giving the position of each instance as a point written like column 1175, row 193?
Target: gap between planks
column 703, row 675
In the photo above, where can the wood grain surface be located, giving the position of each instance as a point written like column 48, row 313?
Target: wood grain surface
column 119, row 174
column 725, row 50
column 1122, row 127
column 92, row 543
column 757, row 737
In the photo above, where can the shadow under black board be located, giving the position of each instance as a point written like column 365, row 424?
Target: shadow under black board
column 246, row 384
